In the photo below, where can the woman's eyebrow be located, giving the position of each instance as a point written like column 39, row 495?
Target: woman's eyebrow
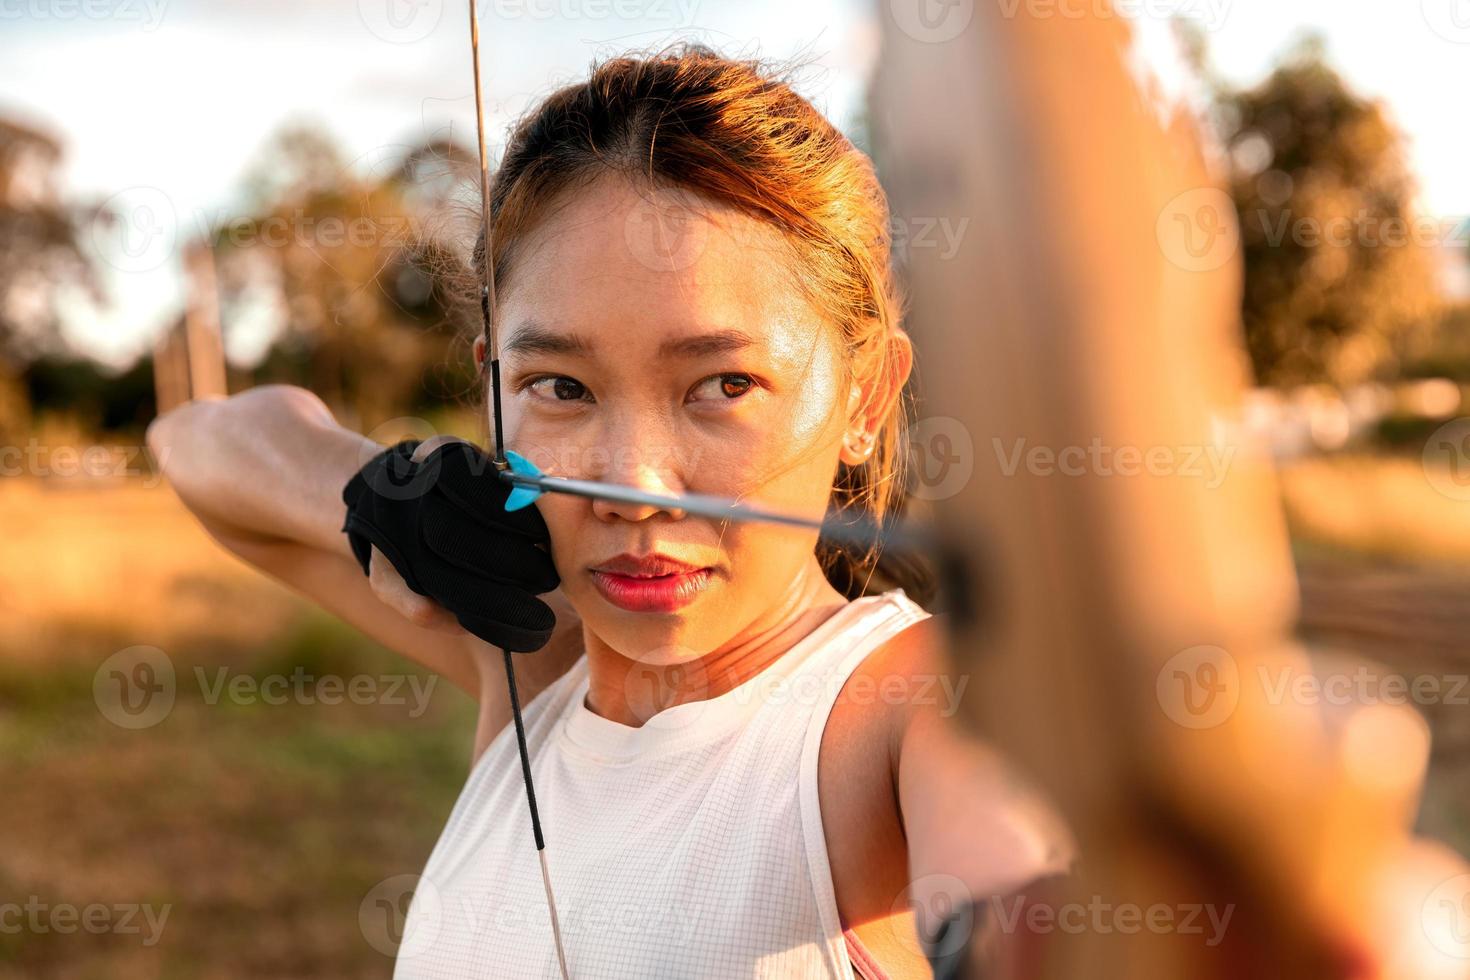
column 533, row 338
column 705, row 344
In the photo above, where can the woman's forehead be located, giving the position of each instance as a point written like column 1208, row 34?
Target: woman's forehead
column 658, row 263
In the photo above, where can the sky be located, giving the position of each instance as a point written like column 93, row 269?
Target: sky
column 163, row 106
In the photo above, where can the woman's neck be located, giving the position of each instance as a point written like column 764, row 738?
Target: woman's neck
column 629, row 692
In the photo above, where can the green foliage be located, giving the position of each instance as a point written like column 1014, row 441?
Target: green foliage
column 1337, row 287
column 354, row 261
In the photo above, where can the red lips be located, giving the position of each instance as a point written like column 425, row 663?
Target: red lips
column 649, row 583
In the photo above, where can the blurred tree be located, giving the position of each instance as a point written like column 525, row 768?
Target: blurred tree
column 96, row 398
column 39, row 256
column 1340, row 282
column 350, row 263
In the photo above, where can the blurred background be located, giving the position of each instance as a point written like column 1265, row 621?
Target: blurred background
column 197, row 200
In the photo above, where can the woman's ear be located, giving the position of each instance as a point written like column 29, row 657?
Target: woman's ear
column 480, row 346
column 870, row 403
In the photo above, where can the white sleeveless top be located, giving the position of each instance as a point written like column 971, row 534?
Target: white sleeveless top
column 689, row 847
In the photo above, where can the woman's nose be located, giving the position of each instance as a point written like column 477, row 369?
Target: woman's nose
column 642, row 467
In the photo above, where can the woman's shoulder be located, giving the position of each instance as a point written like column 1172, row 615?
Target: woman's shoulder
column 857, row 768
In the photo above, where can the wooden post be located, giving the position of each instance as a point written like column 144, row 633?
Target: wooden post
column 188, row 358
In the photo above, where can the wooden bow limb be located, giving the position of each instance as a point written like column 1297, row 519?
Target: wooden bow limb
column 1073, row 316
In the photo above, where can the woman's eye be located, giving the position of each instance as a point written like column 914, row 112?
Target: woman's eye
column 559, row 387
column 724, row 386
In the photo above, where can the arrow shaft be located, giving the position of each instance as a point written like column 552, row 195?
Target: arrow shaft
column 859, row 532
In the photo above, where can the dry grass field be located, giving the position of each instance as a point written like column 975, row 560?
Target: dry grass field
column 261, row 827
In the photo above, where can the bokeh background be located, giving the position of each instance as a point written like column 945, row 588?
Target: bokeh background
column 195, row 200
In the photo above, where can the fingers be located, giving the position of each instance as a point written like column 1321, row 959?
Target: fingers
column 426, row 447
column 489, row 556
column 468, row 478
column 525, row 628
column 391, row 589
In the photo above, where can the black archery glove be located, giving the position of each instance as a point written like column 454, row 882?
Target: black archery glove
column 443, row 525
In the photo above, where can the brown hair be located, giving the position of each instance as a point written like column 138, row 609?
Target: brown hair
column 727, row 131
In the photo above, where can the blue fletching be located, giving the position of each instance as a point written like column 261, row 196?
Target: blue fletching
column 521, row 495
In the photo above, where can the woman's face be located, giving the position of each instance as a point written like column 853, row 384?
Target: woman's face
column 650, row 339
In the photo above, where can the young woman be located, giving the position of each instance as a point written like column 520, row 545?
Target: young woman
column 745, row 764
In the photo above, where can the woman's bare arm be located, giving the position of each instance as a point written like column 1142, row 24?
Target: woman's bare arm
column 966, row 812
column 263, row 472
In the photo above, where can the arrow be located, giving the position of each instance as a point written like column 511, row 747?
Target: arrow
column 862, row 531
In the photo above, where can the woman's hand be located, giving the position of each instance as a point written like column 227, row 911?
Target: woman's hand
column 263, row 472
column 437, row 514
